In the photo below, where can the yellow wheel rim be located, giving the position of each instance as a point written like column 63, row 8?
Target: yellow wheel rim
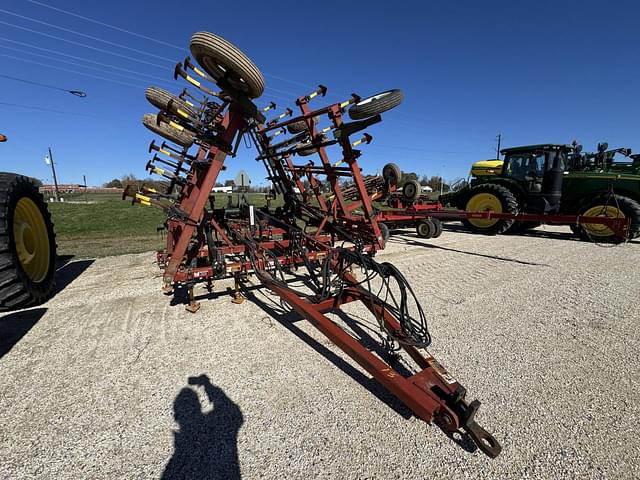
column 596, row 230
column 31, row 239
column 484, row 202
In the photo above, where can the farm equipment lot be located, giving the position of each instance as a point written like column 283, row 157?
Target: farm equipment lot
column 543, row 329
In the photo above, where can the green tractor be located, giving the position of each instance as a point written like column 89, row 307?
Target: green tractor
column 553, row 179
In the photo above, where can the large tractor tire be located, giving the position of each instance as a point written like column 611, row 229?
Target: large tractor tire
column 226, row 63
column 615, row 206
column 27, row 244
column 490, row 197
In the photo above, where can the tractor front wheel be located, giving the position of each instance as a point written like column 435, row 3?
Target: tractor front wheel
column 27, row 244
column 494, row 198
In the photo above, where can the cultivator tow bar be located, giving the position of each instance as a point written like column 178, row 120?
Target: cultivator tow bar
column 205, row 243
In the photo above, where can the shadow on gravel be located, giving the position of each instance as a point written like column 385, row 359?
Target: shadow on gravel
column 287, row 319
column 205, row 445
column 67, row 271
column 14, row 326
column 474, row 254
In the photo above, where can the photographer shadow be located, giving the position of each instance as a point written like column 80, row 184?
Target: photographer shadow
column 205, row 444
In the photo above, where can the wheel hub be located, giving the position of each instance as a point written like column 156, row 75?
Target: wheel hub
column 31, row 239
column 598, row 230
column 484, row 202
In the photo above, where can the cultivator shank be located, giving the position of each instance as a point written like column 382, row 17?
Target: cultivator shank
column 206, row 242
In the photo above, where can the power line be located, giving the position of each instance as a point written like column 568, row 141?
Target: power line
column 70, row 71
column 139, row 35
column 74, row 63
column 97, row 22
column 83, row 45
column 77, row 93
column 31, row 107
column 75, row 32
column 56, row 52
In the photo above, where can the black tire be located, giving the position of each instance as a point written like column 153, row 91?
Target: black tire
column 301, row 126
column 576, row 229
column 20, row 284
column 213, row 52
column 384, row 230
column 375, row 104
column 629, row 207
column 392, row 173
column 507, row 201
column 425, row 228
column 163, row 100
column 524, row 226
column 438, row 227
column 411, row 190
column 309, row 151
column 183, row 138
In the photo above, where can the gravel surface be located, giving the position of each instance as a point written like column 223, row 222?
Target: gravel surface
column 108, row 380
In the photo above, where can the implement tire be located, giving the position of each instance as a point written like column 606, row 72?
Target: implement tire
column 163, row 100
column 376, row 104
column 184, row 137
column 226, row 63
column 490, row 197
column 27, row 244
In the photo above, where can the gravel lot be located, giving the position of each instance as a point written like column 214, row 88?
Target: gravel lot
column 542, row 329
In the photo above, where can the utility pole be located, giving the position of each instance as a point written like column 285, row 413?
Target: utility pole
column 55, row 179
column 86, row 199
column 499, row 138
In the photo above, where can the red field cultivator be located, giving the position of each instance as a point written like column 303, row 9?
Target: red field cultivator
column 326, row 229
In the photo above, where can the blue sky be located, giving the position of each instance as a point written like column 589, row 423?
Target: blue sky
column 534, row 71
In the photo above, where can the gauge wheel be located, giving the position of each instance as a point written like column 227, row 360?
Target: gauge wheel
column 301, row 126
column 178, row 134
column 376, row 104
column 308, row 143
column 438, row 227
column 490, row 197
column 163, row 100
column 27, row 244
column 392, row 173
column 615, row 206
column 425, row 228
column 411, row 190
column 227, row 64
column 384, row 231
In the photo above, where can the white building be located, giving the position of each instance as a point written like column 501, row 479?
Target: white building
column 228, row 189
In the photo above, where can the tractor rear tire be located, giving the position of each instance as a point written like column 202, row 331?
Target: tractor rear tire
column 519, row 227
column 184, row 138
column 27, row 244
column 610, row 206
column 376, row 104
column 490, row 196
column 163, row 100
column 425, row 228
column 226, row 62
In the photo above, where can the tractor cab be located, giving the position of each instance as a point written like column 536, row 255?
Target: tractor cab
column 536, row 172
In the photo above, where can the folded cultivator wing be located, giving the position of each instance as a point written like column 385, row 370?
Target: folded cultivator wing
column 329, row 230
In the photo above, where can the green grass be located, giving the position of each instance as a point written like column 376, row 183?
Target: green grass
column 111, row 226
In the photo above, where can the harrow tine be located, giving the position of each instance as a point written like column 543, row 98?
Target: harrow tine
column 271, row 106
column 322, row 90
column 287, row 113
column 179, row 71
